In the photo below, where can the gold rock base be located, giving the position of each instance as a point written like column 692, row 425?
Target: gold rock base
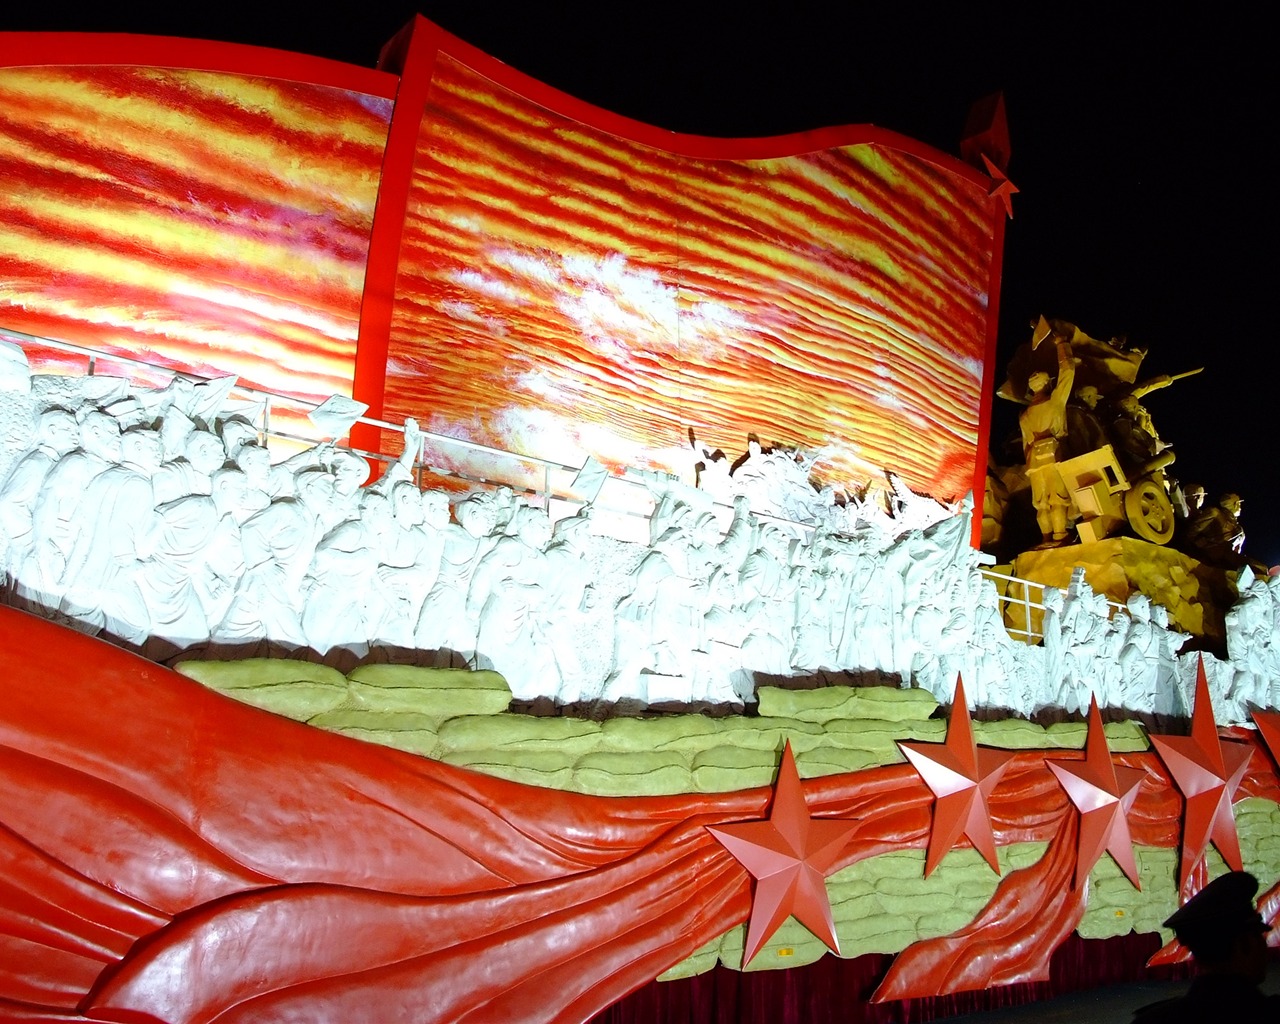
column 1197, row 595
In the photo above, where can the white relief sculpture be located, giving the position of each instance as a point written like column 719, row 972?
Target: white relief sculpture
column 1140, row 655
column 175, row 428
column 1168, row 643
column 344, row 604
column 348, row 473
column 57, row 435
column 837, row 562
column 113, row 532
column 1108, row 633
column 447, row 624
column 911, row 511
column 873, row 607
column 221, row 559
column 209, row 399
column 662, row 622
column 15, row 371
column 766, row 598
column 927, row 644
column 169, row 579
column 211, row 543
column 1251, row 645
column 1056, row 666
column 711, row 474
column 1011, row 673
column 509, row 601
column 409, row 561
column 813, row 650
column 235, row 432
column 60, row 506
column 176, row 401
column 573, row 625
column 337, row 415
column 278, row 544
column 202, row 455
column 263, row 482
column 401, row 470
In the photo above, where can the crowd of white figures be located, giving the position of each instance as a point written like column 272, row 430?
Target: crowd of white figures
column 149, row 517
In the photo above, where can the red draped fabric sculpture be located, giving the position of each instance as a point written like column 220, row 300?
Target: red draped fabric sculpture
column 169, row 854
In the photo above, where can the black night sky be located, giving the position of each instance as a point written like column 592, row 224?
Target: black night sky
column 1140, row 145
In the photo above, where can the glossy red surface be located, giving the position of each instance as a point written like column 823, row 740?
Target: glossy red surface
column 1207, row 772
column 203, row 207
column 62, row 49
column 571, row 283
column 962, row 777
column 1103, row 794
column 1268, row 723
column 170, row 854
column 933, row 290
column 789, row 856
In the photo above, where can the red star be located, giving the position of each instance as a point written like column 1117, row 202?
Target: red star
column 962, row 777
column 789, row 856
column 1103, row 794
column 1207, row 771
column 1001, row 186
column 1268, row 723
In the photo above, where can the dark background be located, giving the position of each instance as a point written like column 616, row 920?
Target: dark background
column 1141, row 143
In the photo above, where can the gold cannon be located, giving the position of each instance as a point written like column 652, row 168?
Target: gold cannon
column 1104, row 497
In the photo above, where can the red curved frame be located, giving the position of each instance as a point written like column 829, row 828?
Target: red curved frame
column 36, row 49
column 413, row 54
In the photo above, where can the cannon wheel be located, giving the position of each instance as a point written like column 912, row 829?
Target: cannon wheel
column 1149, row 512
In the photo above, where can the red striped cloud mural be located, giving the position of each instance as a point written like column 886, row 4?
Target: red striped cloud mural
column 566, row 283
column 213, row 222
column 564, row 291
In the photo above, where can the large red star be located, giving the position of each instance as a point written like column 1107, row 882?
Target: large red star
column 1001, row 187
column 790, row 856
column 1103, row 794
column 1207, row 772
column 962, row 777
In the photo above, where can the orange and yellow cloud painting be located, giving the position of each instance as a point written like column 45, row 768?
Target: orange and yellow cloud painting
column 565, row 292
column 211, row 222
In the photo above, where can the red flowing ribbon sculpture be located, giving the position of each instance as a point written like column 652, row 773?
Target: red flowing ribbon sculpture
column 169, row 854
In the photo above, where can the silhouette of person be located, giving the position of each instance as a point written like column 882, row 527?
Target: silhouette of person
column 1228, row 939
